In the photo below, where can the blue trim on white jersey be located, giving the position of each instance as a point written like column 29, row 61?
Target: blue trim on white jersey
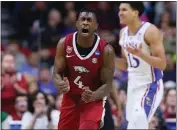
column 157, row 74
column 149, row 99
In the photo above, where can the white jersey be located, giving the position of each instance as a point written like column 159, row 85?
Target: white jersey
column 139, row 71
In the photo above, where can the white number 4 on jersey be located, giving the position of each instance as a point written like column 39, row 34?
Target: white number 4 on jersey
column 77, row 82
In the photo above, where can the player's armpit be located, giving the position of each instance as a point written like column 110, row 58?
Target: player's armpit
column 155, row 39
column 60, row 63
column 106, row 73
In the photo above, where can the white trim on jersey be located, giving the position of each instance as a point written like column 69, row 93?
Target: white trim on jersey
column 91, row 53
column 103, row 114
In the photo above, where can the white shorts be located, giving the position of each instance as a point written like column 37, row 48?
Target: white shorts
column 144, row 98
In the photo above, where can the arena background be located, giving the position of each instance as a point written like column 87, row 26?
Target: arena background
column 30, row 32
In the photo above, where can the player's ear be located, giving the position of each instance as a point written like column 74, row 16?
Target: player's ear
column 96, row 26
column 136, row 12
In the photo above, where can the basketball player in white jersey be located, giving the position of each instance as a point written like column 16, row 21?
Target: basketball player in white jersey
column 143, row 56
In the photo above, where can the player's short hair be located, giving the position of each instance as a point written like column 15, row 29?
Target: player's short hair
column 85, row 9
column 136, row 5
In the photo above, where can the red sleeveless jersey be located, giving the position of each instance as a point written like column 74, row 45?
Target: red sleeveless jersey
column 83, row 71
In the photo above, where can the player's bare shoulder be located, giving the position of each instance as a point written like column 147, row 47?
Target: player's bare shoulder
column 108, row 51
column 152, row 33
column 61, row 43
column 109, row 56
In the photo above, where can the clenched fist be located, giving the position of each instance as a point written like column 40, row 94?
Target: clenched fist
column 87, row 95
column 63, row 85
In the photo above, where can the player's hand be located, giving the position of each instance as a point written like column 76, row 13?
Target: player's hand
column 63, row 85
column 135, row 51
column 87, row 95
column 120, row 116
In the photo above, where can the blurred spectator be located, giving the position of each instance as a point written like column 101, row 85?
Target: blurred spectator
column 46, row 57
column 108, row 36
column 45, row 83
column 170, row 72
column 169, row 85
column 21, row 110
column 12, row 83
column 5, row 120
column 53, row 30
column 14, row 48
column 69, row 6
column 32, row 67
column 167, row 30
column 29, row 17
column 55, row 113
column 107, row 17
column 170, row 62
column 160, row 7
column 70, row 23
column 154, row 123
column 170, row 111
column 40, row 119
column 122, row 100
column 158, row 121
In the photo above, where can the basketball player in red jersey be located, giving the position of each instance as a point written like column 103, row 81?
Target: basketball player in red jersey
column 83, row 71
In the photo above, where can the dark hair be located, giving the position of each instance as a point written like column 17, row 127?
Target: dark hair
column 33, row 97
column 136, row 5
column 85, row 9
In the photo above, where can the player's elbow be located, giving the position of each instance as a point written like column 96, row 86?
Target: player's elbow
column 163, row 66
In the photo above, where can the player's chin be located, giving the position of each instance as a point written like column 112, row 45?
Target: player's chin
column 85, row 34
column 122, row 22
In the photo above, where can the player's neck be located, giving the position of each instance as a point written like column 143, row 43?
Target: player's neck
column 85, row 42
column 134, row 26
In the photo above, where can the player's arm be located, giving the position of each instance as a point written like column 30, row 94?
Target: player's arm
column 59, row 64
column 114, row 97
column 155, row 40
column 107, row 72
column 59, row 67
column 121, row 63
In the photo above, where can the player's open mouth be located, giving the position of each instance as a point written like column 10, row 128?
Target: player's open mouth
column 85, row 30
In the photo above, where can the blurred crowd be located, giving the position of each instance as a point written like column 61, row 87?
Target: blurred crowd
column 29, row 35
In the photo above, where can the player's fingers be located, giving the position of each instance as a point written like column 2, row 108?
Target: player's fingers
column 85, row 99
column 66, row 79
column 86, row 96
column 62, row 83
column 64, row 90
column 57, row 76
column 87, row 93
column 86, row 88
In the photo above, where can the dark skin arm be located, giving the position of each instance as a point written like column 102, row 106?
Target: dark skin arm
column 107, row 72
column 114, row 97
column 59, row 67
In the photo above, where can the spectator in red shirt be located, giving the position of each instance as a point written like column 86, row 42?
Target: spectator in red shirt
column 21, row 106
column 12, row 83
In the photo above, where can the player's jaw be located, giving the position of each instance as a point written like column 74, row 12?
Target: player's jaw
column 85, row 31
column 123, row 19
